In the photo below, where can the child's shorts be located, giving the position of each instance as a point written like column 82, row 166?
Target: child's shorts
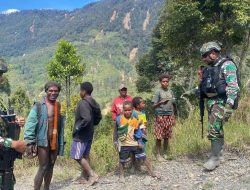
column 126, row 151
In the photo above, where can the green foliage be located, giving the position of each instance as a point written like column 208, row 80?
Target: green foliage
column 182, row 27
column 65, row 66
column 104, row 157
column 104, row 45
column 102, row 147
column 4, row 82
column 20, row 101
column 28, row 30
column 5, row 85
column 227, row 22
column 186, row 140
column 189, row 23
column 147, row 72
column 66, row 62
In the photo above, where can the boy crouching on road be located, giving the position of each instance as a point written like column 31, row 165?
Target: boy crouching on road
column 127, row 125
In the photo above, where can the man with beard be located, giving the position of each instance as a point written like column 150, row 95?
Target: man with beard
column 44, row 134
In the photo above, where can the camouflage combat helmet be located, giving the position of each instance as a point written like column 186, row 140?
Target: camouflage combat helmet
column 3, row 68
column 209, row 46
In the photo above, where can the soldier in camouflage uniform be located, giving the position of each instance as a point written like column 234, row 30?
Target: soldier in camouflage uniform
column 220, row 104
column 18, row 145
column 7, row 143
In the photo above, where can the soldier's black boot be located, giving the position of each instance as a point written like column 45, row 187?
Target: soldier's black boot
column 216, row 153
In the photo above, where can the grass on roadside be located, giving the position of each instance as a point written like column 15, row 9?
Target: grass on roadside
column 186, row 141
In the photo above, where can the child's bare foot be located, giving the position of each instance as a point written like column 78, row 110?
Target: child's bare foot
column 122, row 179
column 138, row 166
column 93, row 179
column 155, row 176
column 82, row 180
column 132, row 169
column 159, row 158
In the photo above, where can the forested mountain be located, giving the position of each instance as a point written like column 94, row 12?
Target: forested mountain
column 31, row 29
column 109, row 34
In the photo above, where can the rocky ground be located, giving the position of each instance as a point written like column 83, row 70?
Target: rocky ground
column 182, row 173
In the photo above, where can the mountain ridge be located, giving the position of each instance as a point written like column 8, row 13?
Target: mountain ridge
column 110, row 35
column 30, row 29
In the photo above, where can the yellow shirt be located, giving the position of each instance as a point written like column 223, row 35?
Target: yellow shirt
column 133, row 124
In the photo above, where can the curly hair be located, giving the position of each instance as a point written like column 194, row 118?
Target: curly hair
column 136, row 101
column 127, row 103
column 87, row 86
column 50, row 84
column 164, row 76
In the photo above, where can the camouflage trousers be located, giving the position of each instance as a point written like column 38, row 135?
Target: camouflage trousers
column 215, row 121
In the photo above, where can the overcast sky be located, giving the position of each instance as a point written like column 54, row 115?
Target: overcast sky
column 43, row 4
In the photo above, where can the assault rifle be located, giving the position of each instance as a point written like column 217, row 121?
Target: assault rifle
column 202, row 109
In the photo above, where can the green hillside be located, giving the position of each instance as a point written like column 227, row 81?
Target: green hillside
column 110, row 35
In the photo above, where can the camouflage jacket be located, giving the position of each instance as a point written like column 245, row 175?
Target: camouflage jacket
column 2, row 131
column 228, row 72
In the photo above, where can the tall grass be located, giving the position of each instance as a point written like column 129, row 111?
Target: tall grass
column 186, row 139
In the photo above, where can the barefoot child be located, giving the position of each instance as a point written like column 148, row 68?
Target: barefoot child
column 126, row 126
column 164, row 105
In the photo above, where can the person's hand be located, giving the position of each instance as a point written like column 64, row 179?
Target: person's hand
column 173, row 119
column 31, row 151
column 163, row 101
column 141, row 146
column 20, row 121
column 145, row 131
column 228, row 111
column 76, row 130
column 19, row 146
column 140, row 123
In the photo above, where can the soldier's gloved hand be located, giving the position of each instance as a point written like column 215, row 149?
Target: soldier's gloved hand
column 228, row 111
column 19, row 146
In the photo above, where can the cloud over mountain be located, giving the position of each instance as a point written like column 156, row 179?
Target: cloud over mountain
column 10, row 11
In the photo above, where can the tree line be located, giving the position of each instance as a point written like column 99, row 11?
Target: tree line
column 183, row 26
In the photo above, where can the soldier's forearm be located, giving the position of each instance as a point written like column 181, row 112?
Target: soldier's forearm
column 232, row 94
column 5, row 142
